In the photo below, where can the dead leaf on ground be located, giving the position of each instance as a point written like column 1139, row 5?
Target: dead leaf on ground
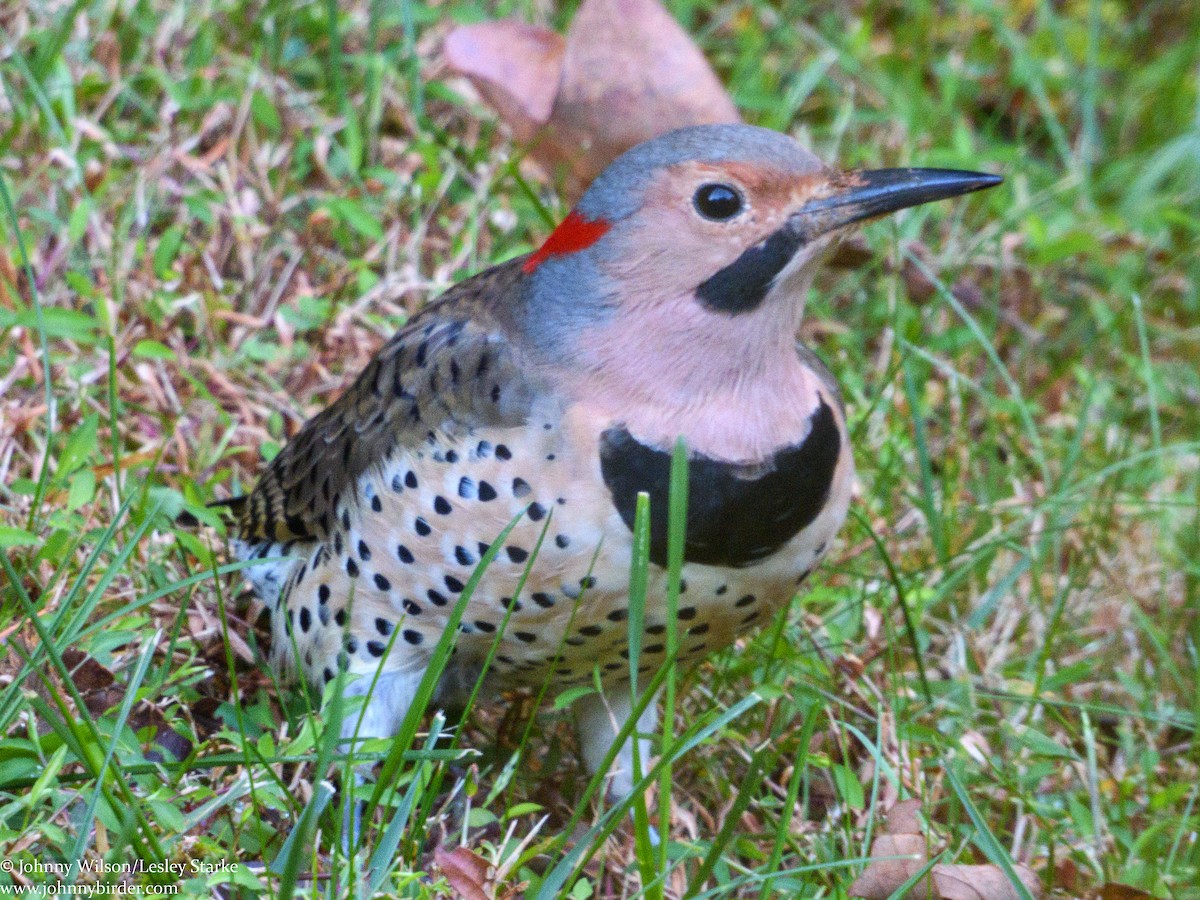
column 468, row 873
column 904, row 837
column 101, row 691
column 625, row 72
column 1115, row 891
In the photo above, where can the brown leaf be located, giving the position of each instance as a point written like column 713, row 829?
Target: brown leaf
column 468, row 873
column 903, row 837
column 626, row 72
column 516, row 67
column 94, row 682
column 1115, row 891
column 101, row 691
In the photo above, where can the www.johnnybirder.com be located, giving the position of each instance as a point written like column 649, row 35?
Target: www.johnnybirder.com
column 84, row 889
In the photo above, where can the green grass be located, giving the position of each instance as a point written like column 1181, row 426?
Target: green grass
column 214, row 212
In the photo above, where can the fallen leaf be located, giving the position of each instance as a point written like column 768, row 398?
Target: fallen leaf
column 514, row 66
column 903, row 840
column 468, row 873
column 1115, row 891
column 626, row 72
column 101, row 691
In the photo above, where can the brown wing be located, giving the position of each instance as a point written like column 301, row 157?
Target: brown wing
column 452, row 367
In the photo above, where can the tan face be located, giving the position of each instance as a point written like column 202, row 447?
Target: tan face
column 698, row 218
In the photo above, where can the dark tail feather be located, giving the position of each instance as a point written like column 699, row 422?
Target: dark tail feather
column 235, row 505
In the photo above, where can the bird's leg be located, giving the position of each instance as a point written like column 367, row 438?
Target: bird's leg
column 599, row 718
column 381, row 717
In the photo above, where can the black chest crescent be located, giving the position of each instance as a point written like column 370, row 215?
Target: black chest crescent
column 737, row 514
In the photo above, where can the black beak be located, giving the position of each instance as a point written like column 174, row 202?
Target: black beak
column 876, row 192
column 743, row 284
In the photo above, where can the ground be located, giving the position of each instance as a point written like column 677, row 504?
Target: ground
column 214, row 212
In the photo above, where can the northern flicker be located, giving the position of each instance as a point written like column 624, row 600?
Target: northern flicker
column 554, row 386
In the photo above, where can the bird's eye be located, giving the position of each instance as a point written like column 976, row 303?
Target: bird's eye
column 717, row 201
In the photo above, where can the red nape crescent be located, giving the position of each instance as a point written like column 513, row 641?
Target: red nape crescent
column 575, row 233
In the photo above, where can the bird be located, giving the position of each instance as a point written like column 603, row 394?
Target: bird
column 547, row 393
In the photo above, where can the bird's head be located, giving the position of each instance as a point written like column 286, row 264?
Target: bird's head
column 704, row 236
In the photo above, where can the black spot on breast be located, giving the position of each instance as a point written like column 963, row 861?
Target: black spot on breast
column 737, row 514
column 436, row 598
column 376, row 504
column 486, row 491
column 421, row 527
column 364, row 551
column 382, row 583
column 463, row 556
column 405, row 555
column 383, row 626
column 411, row 479
column 453, row 584
column 375, row 648
column 441, row 505
column 536, row 512
column 323, row 593
column 413, row 637
column 502, row 452
column 520, row 487
column 516, row 554
column 305, row 619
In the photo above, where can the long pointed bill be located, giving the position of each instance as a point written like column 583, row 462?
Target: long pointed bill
column 876, row 192
column 743, row 284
